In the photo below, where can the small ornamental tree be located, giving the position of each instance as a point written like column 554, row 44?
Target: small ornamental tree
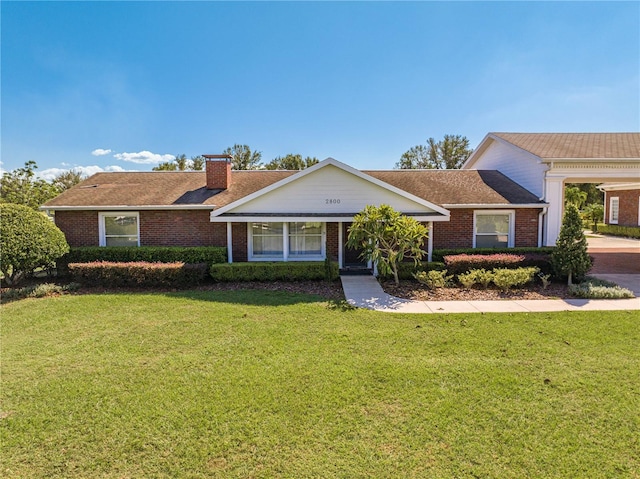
column 28, row 240
column 570, row 256
column 387, row 237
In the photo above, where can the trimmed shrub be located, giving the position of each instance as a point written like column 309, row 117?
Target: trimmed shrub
column 615, row 230
column 570, row 258
column 593, row 288
column 407, row 269
column 505, row 278
column 147, row 254
column 138, row 274
column 274, row 271
column 434, row 279
column 28, row 240
column 439, row 254
column 462, row 263
column 476, row 276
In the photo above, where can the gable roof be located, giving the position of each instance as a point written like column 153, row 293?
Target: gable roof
column 187, row 190
column 554, row 146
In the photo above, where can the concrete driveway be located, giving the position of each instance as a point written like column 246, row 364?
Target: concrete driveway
column 616, row 259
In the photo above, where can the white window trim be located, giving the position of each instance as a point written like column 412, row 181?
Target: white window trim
column 101, row 228
column 285, row 245
column 611, row 201
column 512, row 224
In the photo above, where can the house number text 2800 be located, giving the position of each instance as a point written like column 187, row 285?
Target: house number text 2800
column 332, row 201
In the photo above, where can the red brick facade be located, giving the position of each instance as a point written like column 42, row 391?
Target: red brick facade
column 332, row 241
column 218, row 174
column 180, row 228
column 628, row 204
column 79, row 227
column 240, row 232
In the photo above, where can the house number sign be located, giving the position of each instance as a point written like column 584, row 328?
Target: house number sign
column 332, row 201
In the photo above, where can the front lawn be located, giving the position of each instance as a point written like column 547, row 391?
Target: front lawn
column 266, row 384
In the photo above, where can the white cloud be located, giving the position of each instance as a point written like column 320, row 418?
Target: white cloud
column 50, row 173
column 144, row 157
column 100, row 152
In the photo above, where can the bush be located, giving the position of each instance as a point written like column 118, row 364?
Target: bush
column 434, row 279
column 138, row 274
column 593, row 288
column 462, row 263
column 38, row 291
column 505, row 278
column 407, row 269
column 439, row 254
column 570, row 257
column 615, row 230
column 476, row 276
column 274, row 271
column 28, row 240
column 147, row 254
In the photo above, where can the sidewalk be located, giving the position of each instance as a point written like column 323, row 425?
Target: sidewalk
column 366, row 292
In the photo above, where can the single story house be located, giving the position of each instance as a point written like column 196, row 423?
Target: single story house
column 621, row 203
column 293, row 215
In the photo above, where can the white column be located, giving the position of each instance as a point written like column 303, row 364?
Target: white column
column 229, row 243
column 430, row 241
column 554, row 195
column 285, row 241
column 340, row 245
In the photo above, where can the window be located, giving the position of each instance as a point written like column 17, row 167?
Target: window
column 286, row 241
column 614, row 208
column 493, row 229
column 119, row 229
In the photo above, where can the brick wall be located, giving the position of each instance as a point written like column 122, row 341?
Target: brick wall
column 240, row 237
column 218, row 174
column 79, row 227
column 628, row 206
column 180, row 228
column 527, row 228
column 332, row 241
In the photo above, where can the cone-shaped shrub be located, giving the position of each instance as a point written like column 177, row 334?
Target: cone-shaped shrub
column 570, row 257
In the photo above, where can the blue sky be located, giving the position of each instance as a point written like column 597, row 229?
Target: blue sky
column 124, row 85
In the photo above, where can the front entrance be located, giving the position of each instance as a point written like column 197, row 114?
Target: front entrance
column 351, row 257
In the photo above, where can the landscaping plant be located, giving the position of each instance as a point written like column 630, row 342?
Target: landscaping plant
column 570, row 257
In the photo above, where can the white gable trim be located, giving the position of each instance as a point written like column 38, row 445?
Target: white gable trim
column 341, row 166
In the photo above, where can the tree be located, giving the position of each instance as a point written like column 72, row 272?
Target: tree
column 449, row 153
column 66, row 180
column 197, row 163
column 594, row 195
column 181, row 163
column 387, row 237
column 575, row 196
column 291, row 162
column 244, row 158
column 22, row 188
column 28, row 240
column 570, row 255
column 595, row 212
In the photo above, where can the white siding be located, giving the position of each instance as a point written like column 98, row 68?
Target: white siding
column 514, row 163
column 326, row 191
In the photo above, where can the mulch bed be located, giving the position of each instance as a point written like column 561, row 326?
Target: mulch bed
column 416, row 291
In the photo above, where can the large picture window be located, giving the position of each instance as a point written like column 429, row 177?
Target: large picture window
column 119, row 229
column 614, row 210
column 493, row 229
column 286, row 241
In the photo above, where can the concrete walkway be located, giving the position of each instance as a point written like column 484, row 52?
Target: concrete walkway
column 366, row 292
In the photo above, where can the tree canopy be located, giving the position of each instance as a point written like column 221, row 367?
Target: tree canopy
column 21, row 187
column 67, row 179
column 291, row 162
column 181, row 163
column 244, row 158
column 387, row 237
column 449, row 153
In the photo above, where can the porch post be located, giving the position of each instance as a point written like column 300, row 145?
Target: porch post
column 229, row 243
column 554, row 195
column 430, row 241
column 340, row 245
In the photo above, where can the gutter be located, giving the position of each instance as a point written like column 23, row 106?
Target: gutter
column 127, row 207
column 498, row 206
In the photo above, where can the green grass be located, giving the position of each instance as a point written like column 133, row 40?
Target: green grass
column 262, row 384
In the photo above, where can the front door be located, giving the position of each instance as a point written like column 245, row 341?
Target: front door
column 351, row 257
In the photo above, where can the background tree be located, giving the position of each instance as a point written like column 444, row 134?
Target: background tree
column 595, row 212
column 28, row 240
column 449, row 153
column 575, row 196
column 570, row 256
column 66, row 180
column 181, row 163
column 197, row 163
column 387, row 237
column 21, row 187
column 291, row 162
column 594, row 195
column 244, row 158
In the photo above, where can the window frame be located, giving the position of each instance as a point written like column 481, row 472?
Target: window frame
column 512, row 224
column 611, row 202
column 102, row 227
column 285, row 244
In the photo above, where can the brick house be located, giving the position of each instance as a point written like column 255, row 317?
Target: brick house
column 292, row 215
column 621, row 203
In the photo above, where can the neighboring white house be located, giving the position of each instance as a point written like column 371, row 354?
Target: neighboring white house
column 544, row 162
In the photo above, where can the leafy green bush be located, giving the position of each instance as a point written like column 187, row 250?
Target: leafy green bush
column 476, row 276
column 274, row 271
column 28, row 240
column 593, row 288
column 434, row 279
column 615, row 230
column 148, row 254
column 38, row 291
column 138, row 274
column 439, row 254
column 407, row 269
column 505, row 278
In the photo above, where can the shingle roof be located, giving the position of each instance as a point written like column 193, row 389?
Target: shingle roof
column 184, row 189
column 577, row 145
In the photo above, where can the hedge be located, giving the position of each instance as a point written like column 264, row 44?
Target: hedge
column 105, row 273
column 274, row 271
column 461, row 263
column 615, row 230
column 439, row 254
column 149, row 254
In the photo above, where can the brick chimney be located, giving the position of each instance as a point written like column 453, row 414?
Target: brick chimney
column 218, row 168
